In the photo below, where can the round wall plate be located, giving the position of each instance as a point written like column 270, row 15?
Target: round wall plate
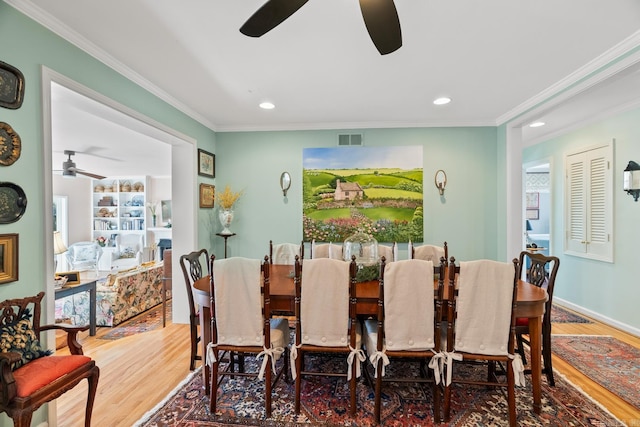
column 13, row 202
column 10, row 145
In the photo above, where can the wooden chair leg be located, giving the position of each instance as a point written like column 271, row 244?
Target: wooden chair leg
column 194, row 346
column 521, row 348
column 546, row 356
column 91, row 395
column 298, row 382
column 511, row 395
column 352, row 389
column 378, row 393
column 213, row 396
column 22, row 420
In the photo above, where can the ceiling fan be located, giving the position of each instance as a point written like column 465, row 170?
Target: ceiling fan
column 69, row 167
column 380, row 18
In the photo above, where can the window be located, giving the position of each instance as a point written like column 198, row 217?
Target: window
column 589, row 203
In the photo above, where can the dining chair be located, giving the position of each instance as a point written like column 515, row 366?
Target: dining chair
column 241, row 322
column 29, row 376
column 481, row 301
column 389, row 252
column 285, row 253
column 325, row 307
column 541, row 271
column 192, row 270
column 326, row 250
column 408, row 325
column 429, row 252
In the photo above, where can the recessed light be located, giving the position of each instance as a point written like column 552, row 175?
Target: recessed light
column 536, row 124
column 442, row 101
column 267, row 106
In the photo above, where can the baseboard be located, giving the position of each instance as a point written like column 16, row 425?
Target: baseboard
column 597, row 316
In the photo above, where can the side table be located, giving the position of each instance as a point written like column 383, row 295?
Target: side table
column 225, row 237
column 83, row 287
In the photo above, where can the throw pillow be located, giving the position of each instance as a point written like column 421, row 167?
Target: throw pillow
column 21, row 338
column 127, row 253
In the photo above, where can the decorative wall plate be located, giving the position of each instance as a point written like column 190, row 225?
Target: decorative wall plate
column 10, row 145
column 11, row 86
column 13, row 202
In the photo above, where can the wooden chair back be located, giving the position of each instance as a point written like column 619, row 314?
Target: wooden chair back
column 192, row 270
column 541, row 271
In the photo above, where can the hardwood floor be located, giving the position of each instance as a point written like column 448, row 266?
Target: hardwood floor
column 137, row 372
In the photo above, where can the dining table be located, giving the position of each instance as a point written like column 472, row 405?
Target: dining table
column 530, row 304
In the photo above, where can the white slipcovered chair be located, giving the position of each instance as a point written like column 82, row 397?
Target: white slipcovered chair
column 285, row 253
column 326, row 250
column 390, row 253
column 128, row 251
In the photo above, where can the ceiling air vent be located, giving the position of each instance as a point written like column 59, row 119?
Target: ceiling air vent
column 349, row 139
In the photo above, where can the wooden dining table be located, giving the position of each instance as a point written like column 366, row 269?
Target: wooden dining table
column 530, row 304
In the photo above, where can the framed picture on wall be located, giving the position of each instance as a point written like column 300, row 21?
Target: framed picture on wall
column 207, row 195
column 533, row 200
column 8, row 258
column 206, row 164
column 533, row 214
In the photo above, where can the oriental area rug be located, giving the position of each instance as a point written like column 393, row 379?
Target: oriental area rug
column 608, row 361
column 143, row 322
column 560, row 315
column 325, row 401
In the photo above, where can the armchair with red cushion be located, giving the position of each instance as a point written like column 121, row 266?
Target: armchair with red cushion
column 29, row 375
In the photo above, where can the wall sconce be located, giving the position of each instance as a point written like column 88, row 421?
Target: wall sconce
column 285, row 183
column 441, row 181
column 631, row 180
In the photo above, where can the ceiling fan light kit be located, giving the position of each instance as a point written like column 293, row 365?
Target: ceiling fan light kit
column 380, row 18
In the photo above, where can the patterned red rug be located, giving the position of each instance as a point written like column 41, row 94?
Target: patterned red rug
column 143, row 322
column 611, row 363
column 325, row 402
column 560, row 315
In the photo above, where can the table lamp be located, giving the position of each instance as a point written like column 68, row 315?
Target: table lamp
column 529, row 228
column 58, row 248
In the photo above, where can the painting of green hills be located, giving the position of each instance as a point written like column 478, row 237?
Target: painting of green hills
column 375, row 190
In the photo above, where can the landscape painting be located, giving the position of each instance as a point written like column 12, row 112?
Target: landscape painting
column 376, row 190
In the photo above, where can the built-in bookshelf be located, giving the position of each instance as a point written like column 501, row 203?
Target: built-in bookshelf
column 119, row 206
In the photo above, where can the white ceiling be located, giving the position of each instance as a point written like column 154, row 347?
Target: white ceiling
column 496, row 59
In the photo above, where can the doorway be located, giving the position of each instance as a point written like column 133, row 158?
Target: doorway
column 182, row 172
column 537, row 205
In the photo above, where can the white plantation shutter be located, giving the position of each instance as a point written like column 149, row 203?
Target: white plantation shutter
column 576, row 224
column 590, row 204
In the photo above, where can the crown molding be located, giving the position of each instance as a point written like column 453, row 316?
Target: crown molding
column 57, row 27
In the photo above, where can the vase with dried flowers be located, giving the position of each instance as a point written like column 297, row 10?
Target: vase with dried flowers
column 152, row 208
column 226, row 200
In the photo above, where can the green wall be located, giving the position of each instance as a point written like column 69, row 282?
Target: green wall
column 465, row 217
column 28, row 46
column 608, row 290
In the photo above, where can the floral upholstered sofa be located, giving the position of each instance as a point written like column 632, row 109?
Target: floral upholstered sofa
column 123, row 295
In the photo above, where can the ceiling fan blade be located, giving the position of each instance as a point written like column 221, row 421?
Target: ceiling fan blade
column 269, row 16
column 383, row 24
column 81, row 172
